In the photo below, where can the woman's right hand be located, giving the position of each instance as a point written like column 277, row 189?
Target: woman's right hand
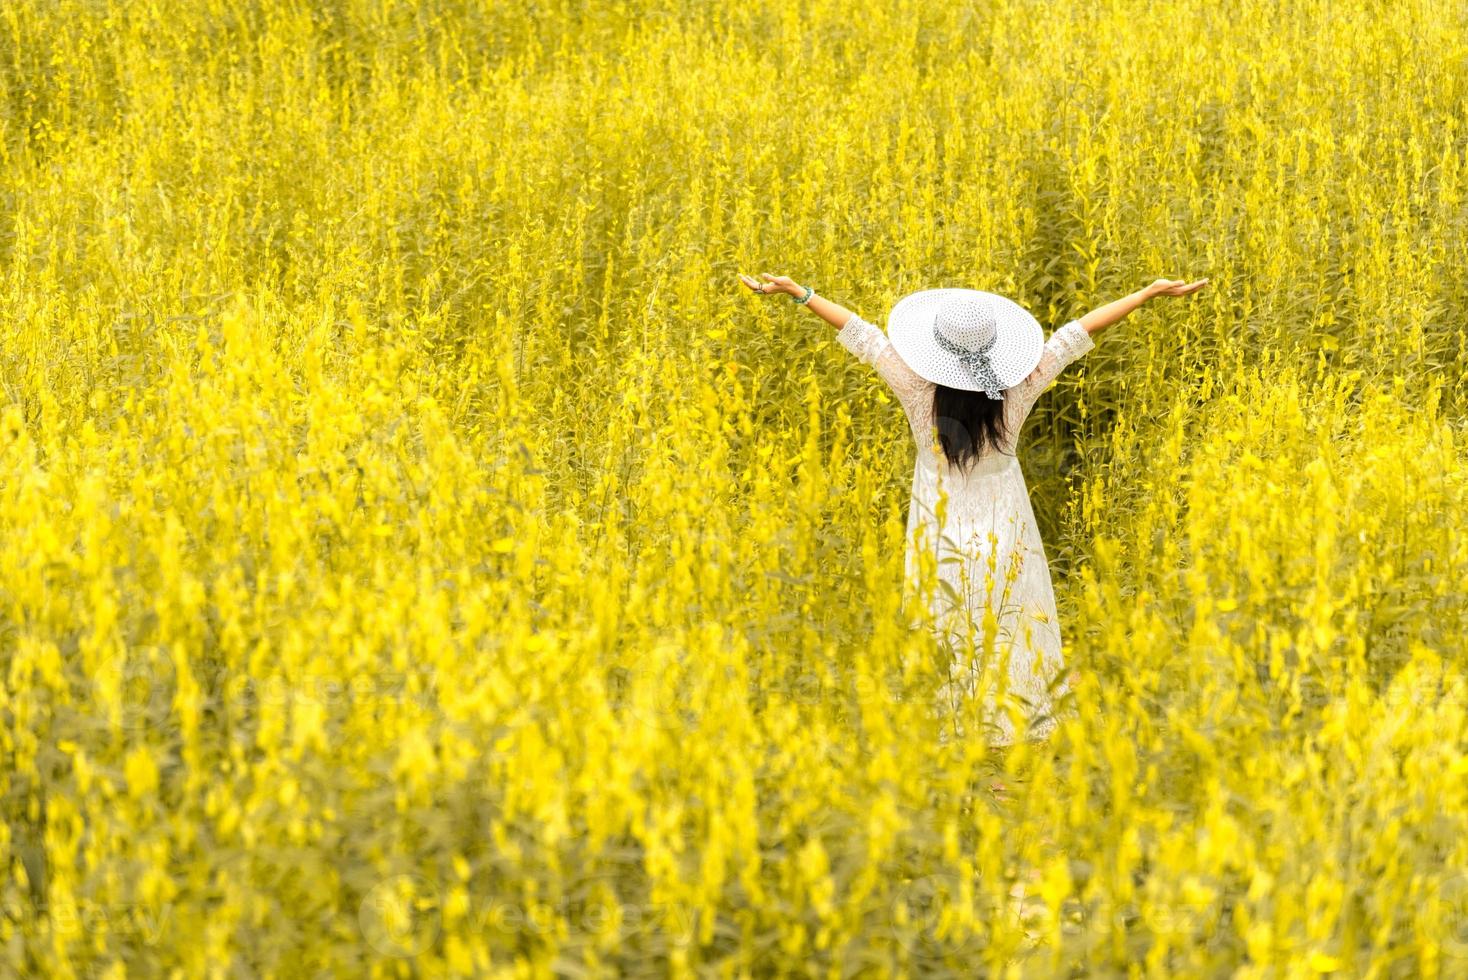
column 1174, row 287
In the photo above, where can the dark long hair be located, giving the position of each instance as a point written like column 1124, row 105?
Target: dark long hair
column 968, row 422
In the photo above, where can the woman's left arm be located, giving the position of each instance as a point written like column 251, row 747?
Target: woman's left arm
column 833, row 313
column 865, row 340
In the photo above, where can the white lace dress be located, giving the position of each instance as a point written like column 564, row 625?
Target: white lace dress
column 988, row 549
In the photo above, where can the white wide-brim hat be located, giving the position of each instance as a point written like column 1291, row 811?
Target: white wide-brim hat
column 966, row 338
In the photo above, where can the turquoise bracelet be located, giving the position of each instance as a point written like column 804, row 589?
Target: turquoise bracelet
column 809, row 292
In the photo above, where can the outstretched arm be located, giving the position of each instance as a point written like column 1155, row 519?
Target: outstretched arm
column 1077, row 337
column 865, row 340
column 833, row 313
column 1104, row 316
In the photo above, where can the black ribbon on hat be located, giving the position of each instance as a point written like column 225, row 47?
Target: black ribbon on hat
column 976, row 362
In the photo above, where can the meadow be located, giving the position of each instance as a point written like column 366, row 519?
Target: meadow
column 420, row 556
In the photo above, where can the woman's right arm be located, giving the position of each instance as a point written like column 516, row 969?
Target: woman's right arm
column 1104, row 316
column 1077, row 337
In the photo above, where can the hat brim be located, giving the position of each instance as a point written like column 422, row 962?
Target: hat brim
column 1016, row 351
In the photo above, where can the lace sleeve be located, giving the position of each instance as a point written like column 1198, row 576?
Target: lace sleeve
column 1064, row 346
column 871, row 346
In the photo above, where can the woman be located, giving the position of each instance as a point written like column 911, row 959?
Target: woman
column 967, row 367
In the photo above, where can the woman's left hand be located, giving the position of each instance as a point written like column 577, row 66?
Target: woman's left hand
column 776, row 284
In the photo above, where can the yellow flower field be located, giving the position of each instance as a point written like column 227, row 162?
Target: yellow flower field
column 419, row 556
